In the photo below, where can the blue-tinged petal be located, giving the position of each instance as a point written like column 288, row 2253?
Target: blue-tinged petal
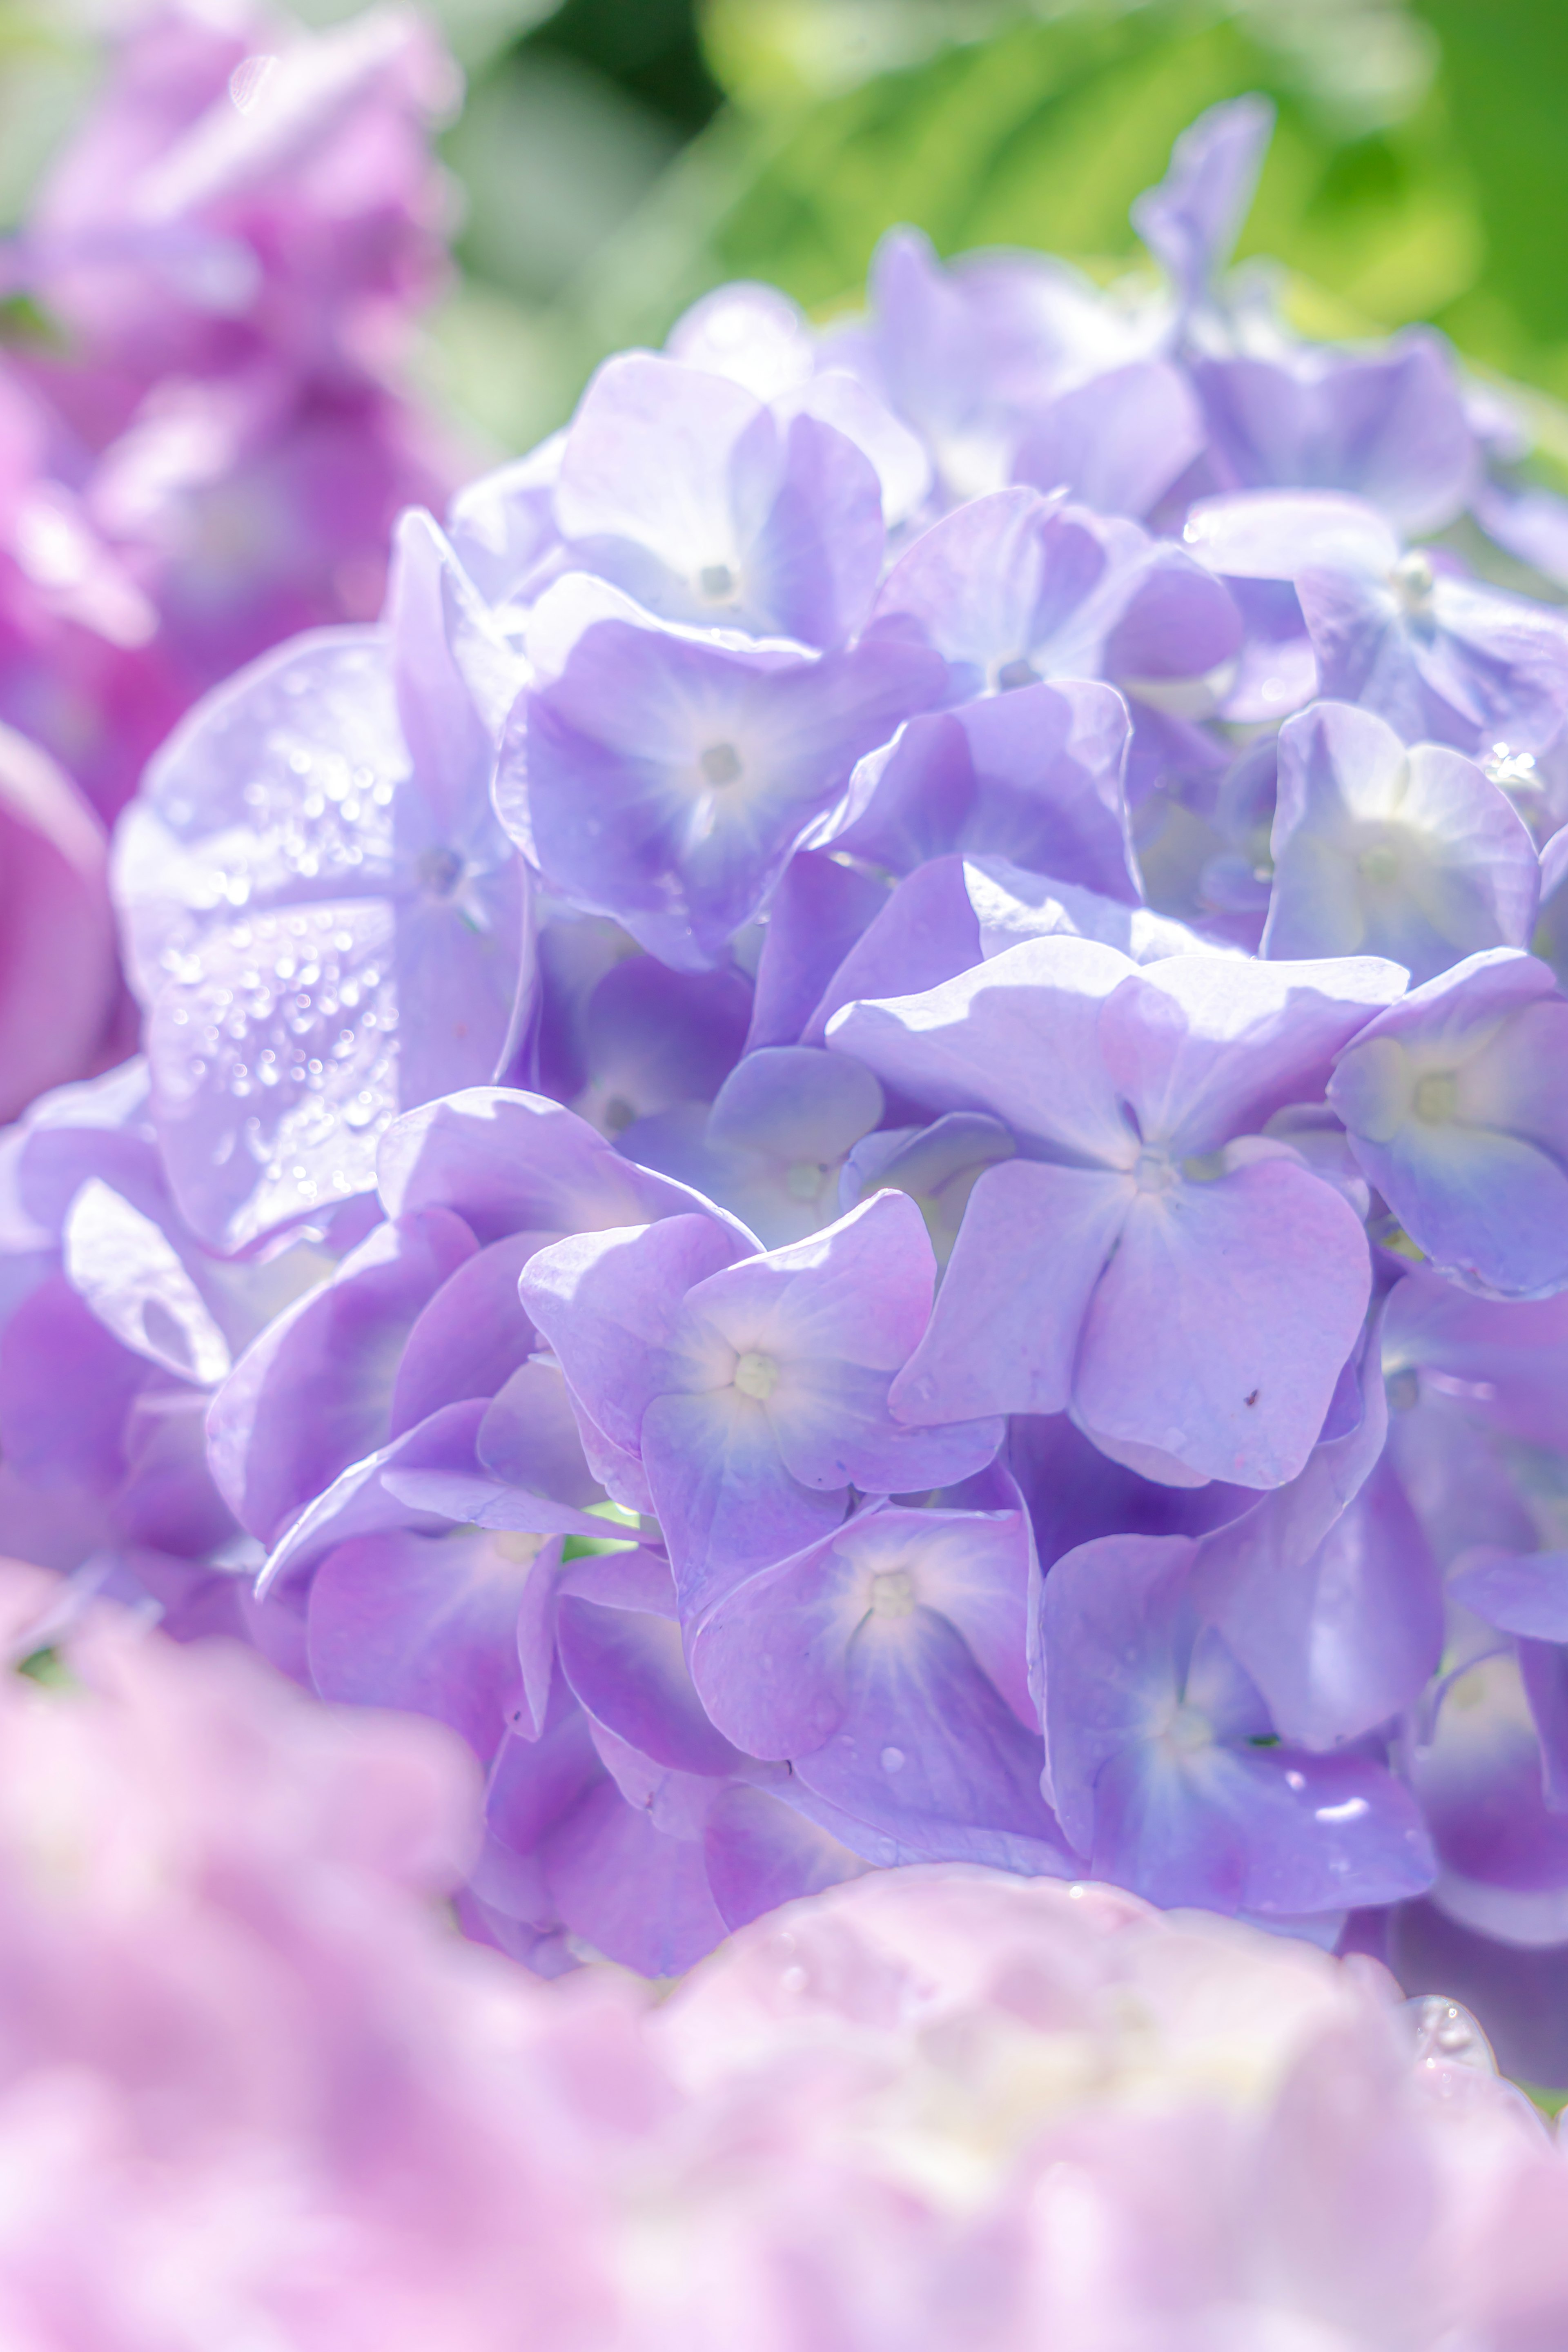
column 357, row 1503
column 1521, row 1592
column 626, row 1669
column 1034, row 776
column 1191, row 221
column 927, row 1752
column 1416, row 856
column 1454, row 1105
column 1017, row 1037
column 724, row 1498
column 1117, row 443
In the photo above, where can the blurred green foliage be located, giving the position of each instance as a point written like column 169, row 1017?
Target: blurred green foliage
column 1417, row 172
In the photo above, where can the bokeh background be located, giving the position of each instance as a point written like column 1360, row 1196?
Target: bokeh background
column 617, row 157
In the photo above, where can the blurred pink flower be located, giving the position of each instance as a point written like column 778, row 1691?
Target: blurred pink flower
column 254, row 2091
column 58, row 979
column 244, row 190
column 209, row 452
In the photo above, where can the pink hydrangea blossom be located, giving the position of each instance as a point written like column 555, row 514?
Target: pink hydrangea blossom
column 58, row 979
column 253, row 2089
column 209, row 450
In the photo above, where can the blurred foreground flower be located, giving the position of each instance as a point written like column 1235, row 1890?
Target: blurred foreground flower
column 253, row 2092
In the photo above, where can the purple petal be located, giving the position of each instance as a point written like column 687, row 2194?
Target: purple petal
column 929, row 1755
column 471, row 1336
column 1191, row 221
column 610, row 1305
column 1522, row 1592
column 761, row 1852
column 1280, row 534
column 629, row 1892
column 1117, row 443
column 627, row 1669
column 1452, row 1104
column 1005, row 1334
column 1219, row 1329
column 1034, row 776
column 426, row 1623
column 511, row 1162
column 357, row 1503
column 818, row 912
column 666, row 781
column 1417, row 857
column 314, row 1393
column 723, row 1496
column 1389, row 427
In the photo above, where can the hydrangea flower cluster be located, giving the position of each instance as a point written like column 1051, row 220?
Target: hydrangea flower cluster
column 857, row 1144
column 252, row 2090
column 206, row 318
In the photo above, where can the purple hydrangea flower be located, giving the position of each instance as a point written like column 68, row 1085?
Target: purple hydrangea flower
column 1441, row 658
column 1453, row 1102
column 1413, row 855
column 1146, row 1260
column 663, row 777
column 1010, row 1300
column 753, row 1391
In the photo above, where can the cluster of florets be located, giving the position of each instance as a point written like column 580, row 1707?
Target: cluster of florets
column 855, row 1146
column 204, row 320
column 252, row 2091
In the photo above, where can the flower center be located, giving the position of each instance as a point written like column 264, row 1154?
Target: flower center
column 1437, row 1096
column 1189, row 1730
column 439, row 871
column 717, row 582
column 1413, row 580
column 1152, row 1171
column 756, row 1376
column 803, row 1182
column 1380, row 864
column 720, row 764
column 1017, row 673
column 893, row 1593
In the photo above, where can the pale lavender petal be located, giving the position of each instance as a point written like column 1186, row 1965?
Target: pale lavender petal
column 1000, row 1339
column 818, row 910
column 1191, row 221
column 1117, row 443
column 357, row 1503
column 471, row 1336
column 629, row 1892
column 511, row 1162
column 1221, row 1326
column 1034, row 776
column 610, row 1305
